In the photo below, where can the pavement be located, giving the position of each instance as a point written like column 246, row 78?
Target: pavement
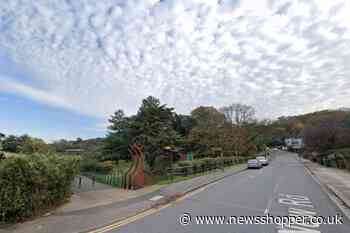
column 337, row 181
column 284, row 188
column 102, row 197
column 97, row 208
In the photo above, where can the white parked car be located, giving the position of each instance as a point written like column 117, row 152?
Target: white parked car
column 254, row 163
column 263, row 160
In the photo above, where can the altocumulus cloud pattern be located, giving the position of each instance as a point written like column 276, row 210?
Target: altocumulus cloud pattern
column 280, row 56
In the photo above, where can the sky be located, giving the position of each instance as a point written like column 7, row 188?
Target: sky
column 66, row 66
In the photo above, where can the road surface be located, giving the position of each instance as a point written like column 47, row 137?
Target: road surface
column 284, row 188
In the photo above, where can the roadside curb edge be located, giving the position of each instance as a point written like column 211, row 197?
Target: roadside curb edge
column 158, row 205
column 329, row 191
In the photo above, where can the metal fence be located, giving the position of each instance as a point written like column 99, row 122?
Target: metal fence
column 90, row 181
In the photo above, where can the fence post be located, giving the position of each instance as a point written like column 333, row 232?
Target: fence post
column 172, row 174
column 93, row 180
column 79, row 181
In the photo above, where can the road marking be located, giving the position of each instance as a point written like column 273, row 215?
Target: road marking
column 277, row 185
column 268, row 206
column 146, row 213
column 119, row 223
column 275, row 188
column 156, row 198
column 267, row 210
column 298, row 200
column 129, row 220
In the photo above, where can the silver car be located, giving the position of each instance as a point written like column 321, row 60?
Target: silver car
column 263, row 160
column 254, row 163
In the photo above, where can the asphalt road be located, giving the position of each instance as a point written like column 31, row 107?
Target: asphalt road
column 283, row 188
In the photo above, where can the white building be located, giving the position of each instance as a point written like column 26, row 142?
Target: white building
column 294, row 143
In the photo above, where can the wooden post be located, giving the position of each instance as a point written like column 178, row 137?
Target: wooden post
column 79, row 181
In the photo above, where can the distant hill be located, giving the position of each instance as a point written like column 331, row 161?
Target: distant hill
column 344, row 109
column 342, row 114
column 92, row 146
column 293, row 126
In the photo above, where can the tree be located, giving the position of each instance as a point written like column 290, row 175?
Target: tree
column 30, row 145
column 119, row 136
column 11, row 144
column 208, row 130
column 2, row 136
column 153, row 126
column 183, row 124
column 62, row 145
column 238, row 114
column 326, row 132
column 78, row 141
column 238, row 117
column 25, row 144
column 207, row 117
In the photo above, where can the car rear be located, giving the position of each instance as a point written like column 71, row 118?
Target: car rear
column 254, row 163
column 263, row 160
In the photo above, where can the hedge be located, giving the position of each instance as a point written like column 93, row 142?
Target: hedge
column 93, row 165
column 33, row 184
column 211, row 161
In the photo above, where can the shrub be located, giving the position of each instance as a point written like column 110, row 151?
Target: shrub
column 161, row 163
column 106, row 166
column 185, row 163
column 88, row 164
column 32, row 184
column 93, row 165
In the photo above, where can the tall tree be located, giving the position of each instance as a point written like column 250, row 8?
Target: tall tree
column 238, row 117
column 208, row 130
column 239, row 114
column 153, row 126
column 119, row 136
column 183, row 124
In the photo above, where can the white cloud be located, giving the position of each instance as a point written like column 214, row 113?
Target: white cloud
column 13, row 87
column 283, row 57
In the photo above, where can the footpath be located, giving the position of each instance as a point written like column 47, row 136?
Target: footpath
column 91, row 210
column 336, row 181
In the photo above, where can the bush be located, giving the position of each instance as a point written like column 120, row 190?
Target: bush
column 185, row 163
column 32, row 184
column 89, row 165
column 207, row 162
column 93, row 165
column 106, row 166
column 161, row 163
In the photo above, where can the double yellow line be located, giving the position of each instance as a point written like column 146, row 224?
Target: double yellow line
column 134, row 218
column 119, row 223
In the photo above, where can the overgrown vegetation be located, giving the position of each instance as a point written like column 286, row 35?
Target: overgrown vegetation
column 204, row 132
column 226, row 136
column 24, row 144
column 34, row 183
